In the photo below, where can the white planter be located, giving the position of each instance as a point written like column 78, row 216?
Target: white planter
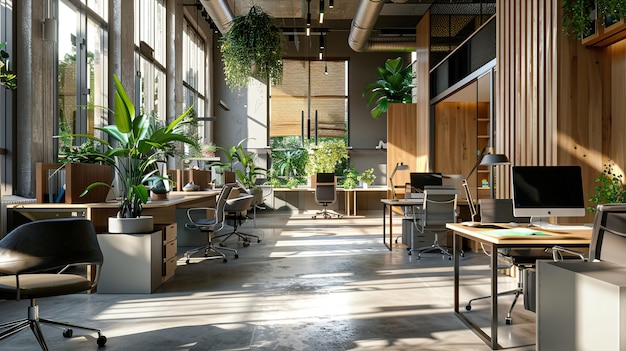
column 143, row 224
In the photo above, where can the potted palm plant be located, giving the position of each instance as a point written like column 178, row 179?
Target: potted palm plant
column 135, row 146
column 394, row 83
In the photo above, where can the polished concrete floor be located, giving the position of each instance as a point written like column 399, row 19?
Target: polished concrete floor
column 308, row 285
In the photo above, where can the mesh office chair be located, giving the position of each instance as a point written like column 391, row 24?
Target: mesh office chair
column 326, row 194
column 439, row 208
column 29, row 256
column 199, row 219
column 501, row 211
column 236, row 210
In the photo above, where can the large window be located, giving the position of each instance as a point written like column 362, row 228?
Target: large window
column 194, row 73
column 150, row 40
column 82, row 65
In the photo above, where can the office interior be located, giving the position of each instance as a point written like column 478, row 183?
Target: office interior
column 496, row 74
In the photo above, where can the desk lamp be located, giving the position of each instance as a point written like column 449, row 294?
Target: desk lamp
column 486, row 158
column 399, row 167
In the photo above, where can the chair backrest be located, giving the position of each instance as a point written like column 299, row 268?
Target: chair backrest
column 499, row 211
column 325, row 188
column 220, row 202
column 439, row 207
column 608, row 238
column 241, row 203
column 48, row 245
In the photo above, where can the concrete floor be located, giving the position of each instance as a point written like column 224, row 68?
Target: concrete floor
column 309, row 285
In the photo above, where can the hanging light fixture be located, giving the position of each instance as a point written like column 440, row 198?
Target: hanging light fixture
column 321, row 11
column 331, row 4
column 308, row 19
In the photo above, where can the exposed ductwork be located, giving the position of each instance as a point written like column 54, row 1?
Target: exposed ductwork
column 220, row 13
column 360, row 39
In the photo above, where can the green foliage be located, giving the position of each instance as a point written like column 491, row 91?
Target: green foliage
column 368, row 177
column 253, row 46
column 578, row 15
column 8, row 79
column 288, row 156
column 611, row 10
column 350, row 180
column 393, row 85
column 608, row 189
column 136, row 143
column 238, row 153
column 326, row 156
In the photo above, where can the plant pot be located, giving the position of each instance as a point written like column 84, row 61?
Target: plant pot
column 143, row 224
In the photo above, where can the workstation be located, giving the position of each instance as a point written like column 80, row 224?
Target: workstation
column 487, row 78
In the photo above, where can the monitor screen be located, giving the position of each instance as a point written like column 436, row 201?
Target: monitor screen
column 548, row 191
column 420, row 180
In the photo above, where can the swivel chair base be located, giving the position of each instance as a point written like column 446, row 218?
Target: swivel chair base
column 208, row 249
column 434, row 247
column 327, row 214
column 245, row 237
column 33, row 321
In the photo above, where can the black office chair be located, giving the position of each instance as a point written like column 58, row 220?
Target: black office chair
column 326, row 194
column 501, row 211
column 200, row 218
column 608, row 237
column 48, row 258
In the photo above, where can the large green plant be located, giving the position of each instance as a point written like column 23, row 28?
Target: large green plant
column 578, row 17
column 324, row 157
column 134, row 147
column 393, row 84
column 238, row 153
column 253, row 46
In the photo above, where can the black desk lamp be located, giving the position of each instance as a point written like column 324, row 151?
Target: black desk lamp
column 486, row 158
column 399, row 167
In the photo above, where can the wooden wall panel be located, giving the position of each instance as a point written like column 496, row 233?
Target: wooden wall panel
column 455, row 137
column 554, row 95
column 401, row 140
column 422, row 76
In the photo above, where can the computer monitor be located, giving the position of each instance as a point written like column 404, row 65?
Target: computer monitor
column 547, row 191
column 419, row 180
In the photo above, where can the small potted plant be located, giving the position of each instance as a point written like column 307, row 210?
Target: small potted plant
column 208, row 150
column 367, row 177
column 608, row 189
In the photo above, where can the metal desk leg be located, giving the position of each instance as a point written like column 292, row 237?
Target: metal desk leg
column 494, row 298
column 385, row 226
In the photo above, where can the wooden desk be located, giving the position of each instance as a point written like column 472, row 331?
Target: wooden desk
column 391, row 203
column 163, row 211
column 504, row 238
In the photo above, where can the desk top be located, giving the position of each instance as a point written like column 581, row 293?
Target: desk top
column 174, row 199
column 403, row 202
column 522, row 235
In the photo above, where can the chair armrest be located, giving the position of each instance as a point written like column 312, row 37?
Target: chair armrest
column 557, row 253
column 196, row 210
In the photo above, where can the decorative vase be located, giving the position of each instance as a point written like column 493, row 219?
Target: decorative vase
column 143, row 224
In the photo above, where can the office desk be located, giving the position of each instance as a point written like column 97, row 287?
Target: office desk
column 390, row 203
column 504, row 238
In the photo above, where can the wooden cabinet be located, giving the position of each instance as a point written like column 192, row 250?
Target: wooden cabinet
column 168, row 252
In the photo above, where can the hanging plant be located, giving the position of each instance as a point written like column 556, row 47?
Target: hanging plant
column 611, row 10
column 579, row 17
column 252, row 47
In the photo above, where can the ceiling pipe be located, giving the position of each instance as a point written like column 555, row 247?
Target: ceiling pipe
column 363, row 24
column 220, row 13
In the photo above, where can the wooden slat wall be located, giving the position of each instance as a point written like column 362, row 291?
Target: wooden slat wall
column 422, row 75
column 553, row 94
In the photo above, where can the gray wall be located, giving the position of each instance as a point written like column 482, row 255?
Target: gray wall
column 365, row 131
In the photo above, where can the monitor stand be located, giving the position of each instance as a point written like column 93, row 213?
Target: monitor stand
column 544, row 223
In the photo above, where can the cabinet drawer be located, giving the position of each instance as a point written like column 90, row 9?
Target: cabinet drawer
column 169, row 249
column 169, row 231
column 169, row 268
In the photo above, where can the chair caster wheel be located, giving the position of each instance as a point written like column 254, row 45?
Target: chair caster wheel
column 222, row 244
column 187, row 261
column 246, row 243
column 68, row 333
column 236, row 255
column 449, row 258
column 101, row 340
column 258, row 241
column 410, row 253
column 225, row 260
column 462, row 254
column 468, row 307
column 509, row 320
